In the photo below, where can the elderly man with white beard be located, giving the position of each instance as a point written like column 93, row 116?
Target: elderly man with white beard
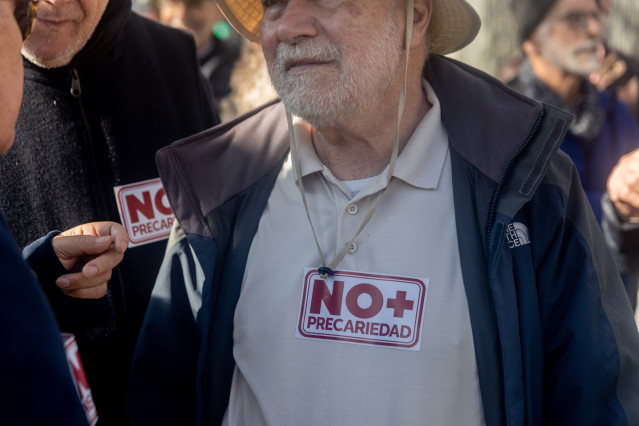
column 395, row 241
column 562, row 41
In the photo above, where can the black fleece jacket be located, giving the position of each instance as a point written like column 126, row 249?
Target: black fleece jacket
column 136, row 88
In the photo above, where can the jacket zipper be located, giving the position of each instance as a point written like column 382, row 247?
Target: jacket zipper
column 500, row 185
column 76, row 89
column 76, row 92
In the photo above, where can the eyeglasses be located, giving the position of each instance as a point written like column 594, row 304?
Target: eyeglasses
column 578, row 21
column 25, row 13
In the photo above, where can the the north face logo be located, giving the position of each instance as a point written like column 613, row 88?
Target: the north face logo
column 517, row 235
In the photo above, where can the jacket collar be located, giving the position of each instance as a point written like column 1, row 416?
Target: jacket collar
column 489, row 125
column 486, row 121
column 101, row 49
column 507, row 136
column 106, row 35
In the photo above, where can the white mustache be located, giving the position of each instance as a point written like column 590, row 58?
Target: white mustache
column 56, row 14
column 587, row 45
column 289, row 54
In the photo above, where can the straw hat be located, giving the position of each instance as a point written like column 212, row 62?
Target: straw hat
column 454, row 23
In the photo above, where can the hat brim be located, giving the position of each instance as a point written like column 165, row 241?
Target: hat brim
column 453, row 25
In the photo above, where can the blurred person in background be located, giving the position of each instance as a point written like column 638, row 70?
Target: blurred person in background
column 250, row 83
column 104, row 89
column 218, row 45
column 618, row 72
column 37, row 387
column 621, row 220
column 562, row 42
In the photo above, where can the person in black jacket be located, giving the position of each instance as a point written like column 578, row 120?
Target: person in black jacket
column 37, row 384
column 104, row 89
column 218, row 45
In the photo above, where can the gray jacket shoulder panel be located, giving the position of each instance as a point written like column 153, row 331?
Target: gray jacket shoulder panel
column 202, row 172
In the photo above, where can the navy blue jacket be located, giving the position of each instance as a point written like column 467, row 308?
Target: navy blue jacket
column 595, row 160
column 36, row 387
column 137, row 88
column 554, row 336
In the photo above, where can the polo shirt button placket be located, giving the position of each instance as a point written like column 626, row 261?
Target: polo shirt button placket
column 352, row 248
column 352, row 209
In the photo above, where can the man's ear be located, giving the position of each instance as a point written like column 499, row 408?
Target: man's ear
column 423, row 10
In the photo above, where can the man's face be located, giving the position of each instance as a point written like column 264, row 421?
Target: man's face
column 570, row 37
column 331, row 58
column 61, row 30
column 198, row 16
column 11, row 72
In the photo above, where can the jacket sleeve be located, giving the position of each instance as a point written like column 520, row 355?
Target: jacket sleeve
column 82, row 317
column 37, row 387
column 42, row 259
column 590, row 339
column 622, row 238
column 162, row 387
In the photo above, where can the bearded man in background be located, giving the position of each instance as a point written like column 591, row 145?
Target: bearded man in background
column 562, row 41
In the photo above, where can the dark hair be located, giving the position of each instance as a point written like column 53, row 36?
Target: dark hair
column 528, row 14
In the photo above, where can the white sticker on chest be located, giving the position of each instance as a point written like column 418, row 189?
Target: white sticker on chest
column 363, row 308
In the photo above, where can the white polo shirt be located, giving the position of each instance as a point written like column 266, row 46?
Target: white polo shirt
column 286, row 375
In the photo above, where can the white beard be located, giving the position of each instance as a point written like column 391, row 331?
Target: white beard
column 357, row 75
column 580, row 59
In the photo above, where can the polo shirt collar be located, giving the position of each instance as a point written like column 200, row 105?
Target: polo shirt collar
column 420, row 163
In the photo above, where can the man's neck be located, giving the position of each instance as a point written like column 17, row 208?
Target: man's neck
column 361, row 146
column 566, row 85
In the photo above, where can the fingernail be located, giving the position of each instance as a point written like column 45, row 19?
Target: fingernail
column 90, row 271
column 101, row 240
column 63, row 282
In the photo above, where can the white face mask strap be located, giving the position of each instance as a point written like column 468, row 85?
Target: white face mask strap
column 328, row 270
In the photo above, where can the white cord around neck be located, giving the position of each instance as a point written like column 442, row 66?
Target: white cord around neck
column 326, row 270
